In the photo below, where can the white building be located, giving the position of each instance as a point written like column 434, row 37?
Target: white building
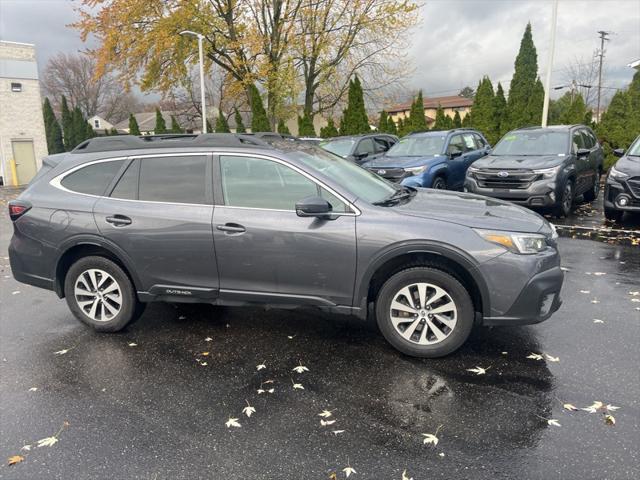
column 99, row 125
column 23, row 140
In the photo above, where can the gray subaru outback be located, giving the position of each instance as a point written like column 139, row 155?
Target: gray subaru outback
column 231, row 220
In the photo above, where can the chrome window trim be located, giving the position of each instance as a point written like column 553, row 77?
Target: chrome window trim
column 57, row 180
column 356, row 211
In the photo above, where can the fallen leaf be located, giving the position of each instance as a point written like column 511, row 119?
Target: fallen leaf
column 16, row 292
column 405, row 476
column 333, row 476
column 634, row 294
column 504, row 353
column 599, row 274
column 298, row 386
column 26, row 448
column 33, row 389
column 300, row 369
column 595, row 301
column 337, row 432
column 635, row 300
column 429, row 438
column 325, row 414
column 551, row 359
column 613, row 408
column 535, row 356
column 208, row 339
column 182, row 317
column 15, row 460
column 248, row 410
column 478, row 370
column 61, row 352
column 441, row 454
column 597, row 320
column 205, row 354
column 324, row 423
column 571, row 408
column 348, row 471
column 290, row 337
column 132, row 344
column 47, row 442
column 232, row 422
column 262, row 366
column 585, row 291
column 553, row 422
column 609, row 419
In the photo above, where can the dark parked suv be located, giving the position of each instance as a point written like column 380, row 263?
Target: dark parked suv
column 359, row 148
column 232, row 220
column 541, row 167
column 622, row 188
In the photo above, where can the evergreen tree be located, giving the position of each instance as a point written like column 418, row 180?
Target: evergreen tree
column 52, row 129
column 222, row 126
column 240, row 128
column 113, row 131
column 391, row 126
column 417, row 117
column 282, row 127
column 402, row 129
column 161, row 126
column 383, row 126
column 523, row 85
column 534, row 106
column 467, row 121
column 466, row 92
column 443, row 122
column 329, row 130
column 67, row 124
column 343, row 123
column 457, row 122
column 259, row 120
column 499, row 112
column 355, row 116
column 134, row 129
column 305, row 126
column 483, row 109
column 175, row 126
column 209, row 127
column 567, row 110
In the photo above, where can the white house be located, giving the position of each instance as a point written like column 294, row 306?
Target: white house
column 99, row 124
column 23, row 140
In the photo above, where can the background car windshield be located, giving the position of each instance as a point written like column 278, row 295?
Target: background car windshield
column 635, row 148
column 418, row 146
column 341, row 147
column 362, row 183
column 533, row 143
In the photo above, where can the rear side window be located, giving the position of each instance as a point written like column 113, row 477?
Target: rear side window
column 176, row 179
column 92, row 179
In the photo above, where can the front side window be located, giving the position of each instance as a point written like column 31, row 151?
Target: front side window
column 365, row 147
column 578, row 141
column 456, row 145
column 92, row 179
column 469, row 142
column 175, row 179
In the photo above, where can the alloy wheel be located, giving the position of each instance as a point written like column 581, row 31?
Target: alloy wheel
column 98, row 295
column 423, row 313
column 567, row 198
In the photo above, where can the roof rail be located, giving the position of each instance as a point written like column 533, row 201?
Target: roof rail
column 132, row 142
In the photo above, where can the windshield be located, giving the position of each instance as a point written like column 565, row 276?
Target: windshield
column 340, row 147
column 634, row 150
column 352, row 178
column 533, row 143
column 418, row 146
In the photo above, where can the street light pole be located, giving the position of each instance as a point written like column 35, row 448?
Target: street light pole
column 201, row 61
column 547, row 86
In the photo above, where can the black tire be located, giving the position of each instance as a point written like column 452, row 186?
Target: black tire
column 439, row 183
column 456, row 291
column 613, row 215
column 565, row 200
column 130, row 308
column 591, row 194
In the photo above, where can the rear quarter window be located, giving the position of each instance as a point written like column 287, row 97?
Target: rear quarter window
column 92, row 179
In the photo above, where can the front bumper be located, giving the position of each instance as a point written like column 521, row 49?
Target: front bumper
column 616, row 190
column 541, row 193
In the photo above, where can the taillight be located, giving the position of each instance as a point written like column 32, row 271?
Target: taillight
column 18, row 208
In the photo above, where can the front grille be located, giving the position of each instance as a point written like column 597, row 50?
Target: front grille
column 495, row 178
column 392, row 174
column 634, row 186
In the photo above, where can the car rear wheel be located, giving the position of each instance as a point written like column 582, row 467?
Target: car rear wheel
column 424, row 312
column 100, row 294
column 591, row 194
column 613, row 215
column 439, row 183
column 565, row 202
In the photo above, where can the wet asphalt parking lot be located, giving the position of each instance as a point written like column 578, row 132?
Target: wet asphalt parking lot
column 149, row 404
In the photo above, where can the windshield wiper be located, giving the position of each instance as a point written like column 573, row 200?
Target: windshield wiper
column 400, row 194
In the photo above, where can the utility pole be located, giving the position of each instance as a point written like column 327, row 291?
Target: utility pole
column 547, row 83
column 603, row 38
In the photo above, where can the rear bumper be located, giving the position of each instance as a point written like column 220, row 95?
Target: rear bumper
column 536, row 303
column 21, row 273
column 539, row 194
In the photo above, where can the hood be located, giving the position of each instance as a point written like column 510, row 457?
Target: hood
column 402, row 162
column 519, row 161
column 471, row 210
column 629, row 165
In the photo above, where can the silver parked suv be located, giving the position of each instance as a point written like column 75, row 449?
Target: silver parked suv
column 232, row 220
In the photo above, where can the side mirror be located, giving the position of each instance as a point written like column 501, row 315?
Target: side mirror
column 583, row 152
column 455, row 154
column 313, row 207
column 619, row 152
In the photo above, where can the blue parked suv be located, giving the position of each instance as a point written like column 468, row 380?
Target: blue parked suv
column 431, row 159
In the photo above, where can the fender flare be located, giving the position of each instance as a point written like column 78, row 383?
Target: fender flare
column 447, row 251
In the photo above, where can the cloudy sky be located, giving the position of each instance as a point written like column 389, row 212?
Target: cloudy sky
column 456, row 42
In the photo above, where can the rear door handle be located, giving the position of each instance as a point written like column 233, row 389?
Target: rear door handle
column 231, row 228
column 118, row 220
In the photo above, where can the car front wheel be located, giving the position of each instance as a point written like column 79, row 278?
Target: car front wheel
column 563, row 207
column 100, row 294
column 439, row 183
column 424, row 312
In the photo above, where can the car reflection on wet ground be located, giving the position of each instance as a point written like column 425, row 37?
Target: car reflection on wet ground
column 152, row 402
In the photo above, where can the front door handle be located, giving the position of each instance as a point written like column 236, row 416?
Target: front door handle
column 118, row 220
column 231, row 228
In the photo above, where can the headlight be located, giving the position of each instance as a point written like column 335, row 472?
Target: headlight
column 548, row 172
column 523, row 243
column 416, row 170
column 617, row 174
